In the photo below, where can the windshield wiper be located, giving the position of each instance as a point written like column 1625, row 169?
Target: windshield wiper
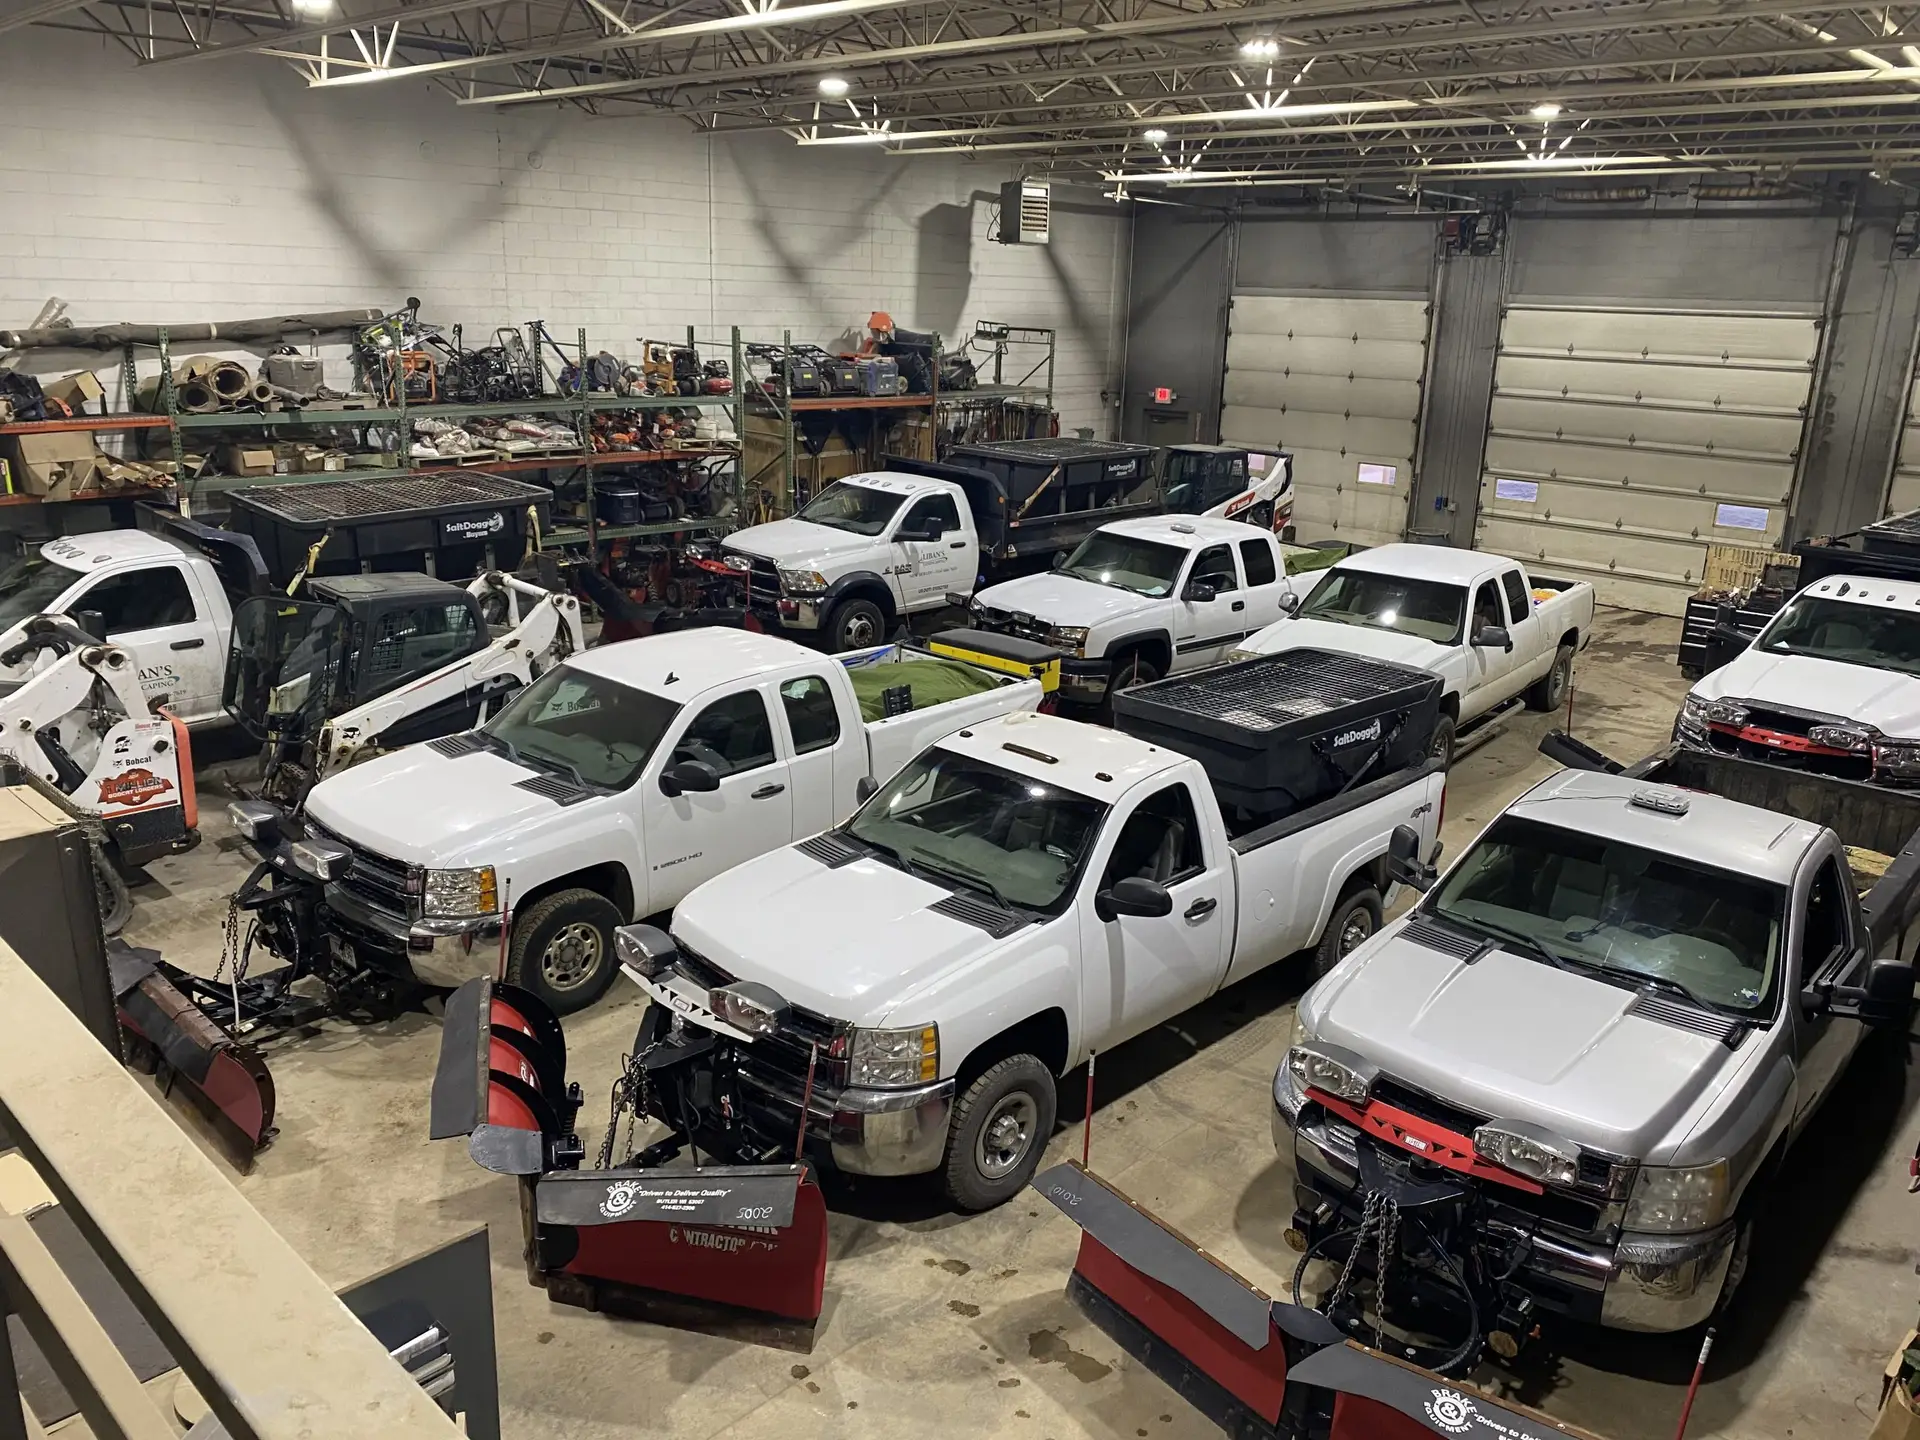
column 554, row 762
column 1672, row 987
column 1527, row 943
column 504, row 746
column 972, row 879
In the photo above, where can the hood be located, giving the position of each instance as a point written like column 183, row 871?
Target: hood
column 1513, row 1038
column 1063, row 600
column 421, row 807
column 1348, row 640
column 847, row 943
column 798, row 544
column 1884, row 699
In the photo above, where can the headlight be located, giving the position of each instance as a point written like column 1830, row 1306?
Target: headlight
column 1527, row 1151
column 322, row 862
column 1897, row 758
column 1068, row 637
column 1332, row 1070
column 1237, row 654
column 756, row 1009
column 1843, row 737
column 644, row 949
column 459, row 894
column 894, row 1057
column 1725, row 712
column 255, row 819
column 803, row 582
column 1666, row 1200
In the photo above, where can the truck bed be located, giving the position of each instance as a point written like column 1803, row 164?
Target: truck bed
column 893, row 740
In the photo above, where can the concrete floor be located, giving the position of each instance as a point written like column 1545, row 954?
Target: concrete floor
column 949, row 1326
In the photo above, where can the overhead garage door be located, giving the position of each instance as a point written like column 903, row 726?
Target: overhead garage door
column 1623, row 441
column 1905, row 492
column 1337, row 383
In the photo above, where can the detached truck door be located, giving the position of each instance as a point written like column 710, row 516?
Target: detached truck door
column 697, row 835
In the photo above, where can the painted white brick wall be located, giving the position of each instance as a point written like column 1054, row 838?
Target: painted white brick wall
column 227, row 189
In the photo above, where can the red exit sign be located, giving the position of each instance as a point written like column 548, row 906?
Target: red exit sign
column 1163, row 396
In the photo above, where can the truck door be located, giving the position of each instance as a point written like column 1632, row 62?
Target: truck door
column 695, row 836
column 1487, row 665
column 1137, row 971
column 812, row 717
column 152, row 612
column 1527, row 630
column 1822, row 1045
column 1267, row 585
column 1206, row 629
column 926, row 569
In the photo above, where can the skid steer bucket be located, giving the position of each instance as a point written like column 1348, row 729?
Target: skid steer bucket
column 738, row 1250
column 1255, row 1366
column 170, row 1037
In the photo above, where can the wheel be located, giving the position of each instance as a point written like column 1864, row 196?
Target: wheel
column 1549, row 692
column 1353, row 922
column 1442, row 742
column 562, row 949
column 999, row 1132
column 1261, row 516
column 854, row 625
column 1129, row 670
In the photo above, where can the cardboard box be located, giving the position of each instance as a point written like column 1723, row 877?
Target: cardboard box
column 1898, row 1419
column 57, row 465
column 76, row 391
column 248, row 460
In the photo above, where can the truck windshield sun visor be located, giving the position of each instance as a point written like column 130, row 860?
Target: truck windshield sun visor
column 1617, row 910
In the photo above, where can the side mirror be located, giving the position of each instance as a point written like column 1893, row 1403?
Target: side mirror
column 1492, row 637
column 866, row 789
column 1060, row 558
column 1289, row 602
column 92, row 622
column 1886, row 998
column 1133, row 896
column 1404, row 865
column 688, row 777
column 1198, row 591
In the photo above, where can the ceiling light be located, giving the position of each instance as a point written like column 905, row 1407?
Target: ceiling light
column 833, row 86
column 1153, row 136
column 1260, row 49
column 313, row 7
column 1546, row 110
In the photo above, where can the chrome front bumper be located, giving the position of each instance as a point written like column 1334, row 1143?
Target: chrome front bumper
column 891, row 1132
column 1656, row 1283
column 444, row 953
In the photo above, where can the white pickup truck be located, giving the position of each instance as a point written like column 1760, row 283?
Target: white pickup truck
column 604, row 791
column 1141, row 599
column 159, row 597
column 1489, row 629
column 1024, row 894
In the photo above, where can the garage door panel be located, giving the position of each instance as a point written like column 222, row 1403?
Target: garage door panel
column 1904, row 494
column 1636, row 382
column 1331, row 503
column 1706, row 338
column 1330, row 316
column 1671, row 517
column 1359, row 435
column 1744, row 435
column 1269, row 390
column 1327, row 355
column 1639, row 572
column 1708, row 478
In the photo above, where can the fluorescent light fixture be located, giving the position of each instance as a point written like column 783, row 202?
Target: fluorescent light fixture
column 1153, row 136
column 833, row 86
column 313, row 7
column 1546, row 110
column 1261, row 49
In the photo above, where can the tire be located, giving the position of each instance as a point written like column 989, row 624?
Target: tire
column 562, row 949
column 1444, row 729
column 1129, row 670
column 1355, row 920
column 854, row 625
column 999, row 1132
column 1261, row 517
column 1549, row 692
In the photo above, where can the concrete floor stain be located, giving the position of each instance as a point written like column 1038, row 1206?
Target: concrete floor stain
column 1049, row 1348
column 961, row 1307
column 952, row 1267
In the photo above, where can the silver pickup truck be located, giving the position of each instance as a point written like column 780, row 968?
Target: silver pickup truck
column 1575, row 1066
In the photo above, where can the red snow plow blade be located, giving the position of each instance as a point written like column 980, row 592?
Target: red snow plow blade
column 736, row 1250
column 1255, row 1366
column 172, row 1039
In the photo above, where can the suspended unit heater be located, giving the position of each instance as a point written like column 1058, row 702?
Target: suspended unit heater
column 1025, row 212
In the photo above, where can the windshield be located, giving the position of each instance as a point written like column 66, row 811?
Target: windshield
column 30, row 586
column 1427, row 609
column 853, row 508
column 1850, row 633
column 964, row 822
column 1602, row 905
column 584, row 724
column 1145, row 567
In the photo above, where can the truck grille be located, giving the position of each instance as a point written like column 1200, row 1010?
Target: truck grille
column 763, row 576
column 373, row 878
column 1010, row 622
column 1797, row 724
column 780, row 1059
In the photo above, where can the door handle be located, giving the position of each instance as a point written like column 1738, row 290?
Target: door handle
column 1200, row 909
column 1239, row 604
column 766, row 792
column 186, row 644
column 958, row 545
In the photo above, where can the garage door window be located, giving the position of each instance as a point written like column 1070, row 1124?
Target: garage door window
column 145, row 600
column 1379, row 474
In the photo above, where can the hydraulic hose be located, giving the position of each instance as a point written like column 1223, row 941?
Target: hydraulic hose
column 1463, row 1353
